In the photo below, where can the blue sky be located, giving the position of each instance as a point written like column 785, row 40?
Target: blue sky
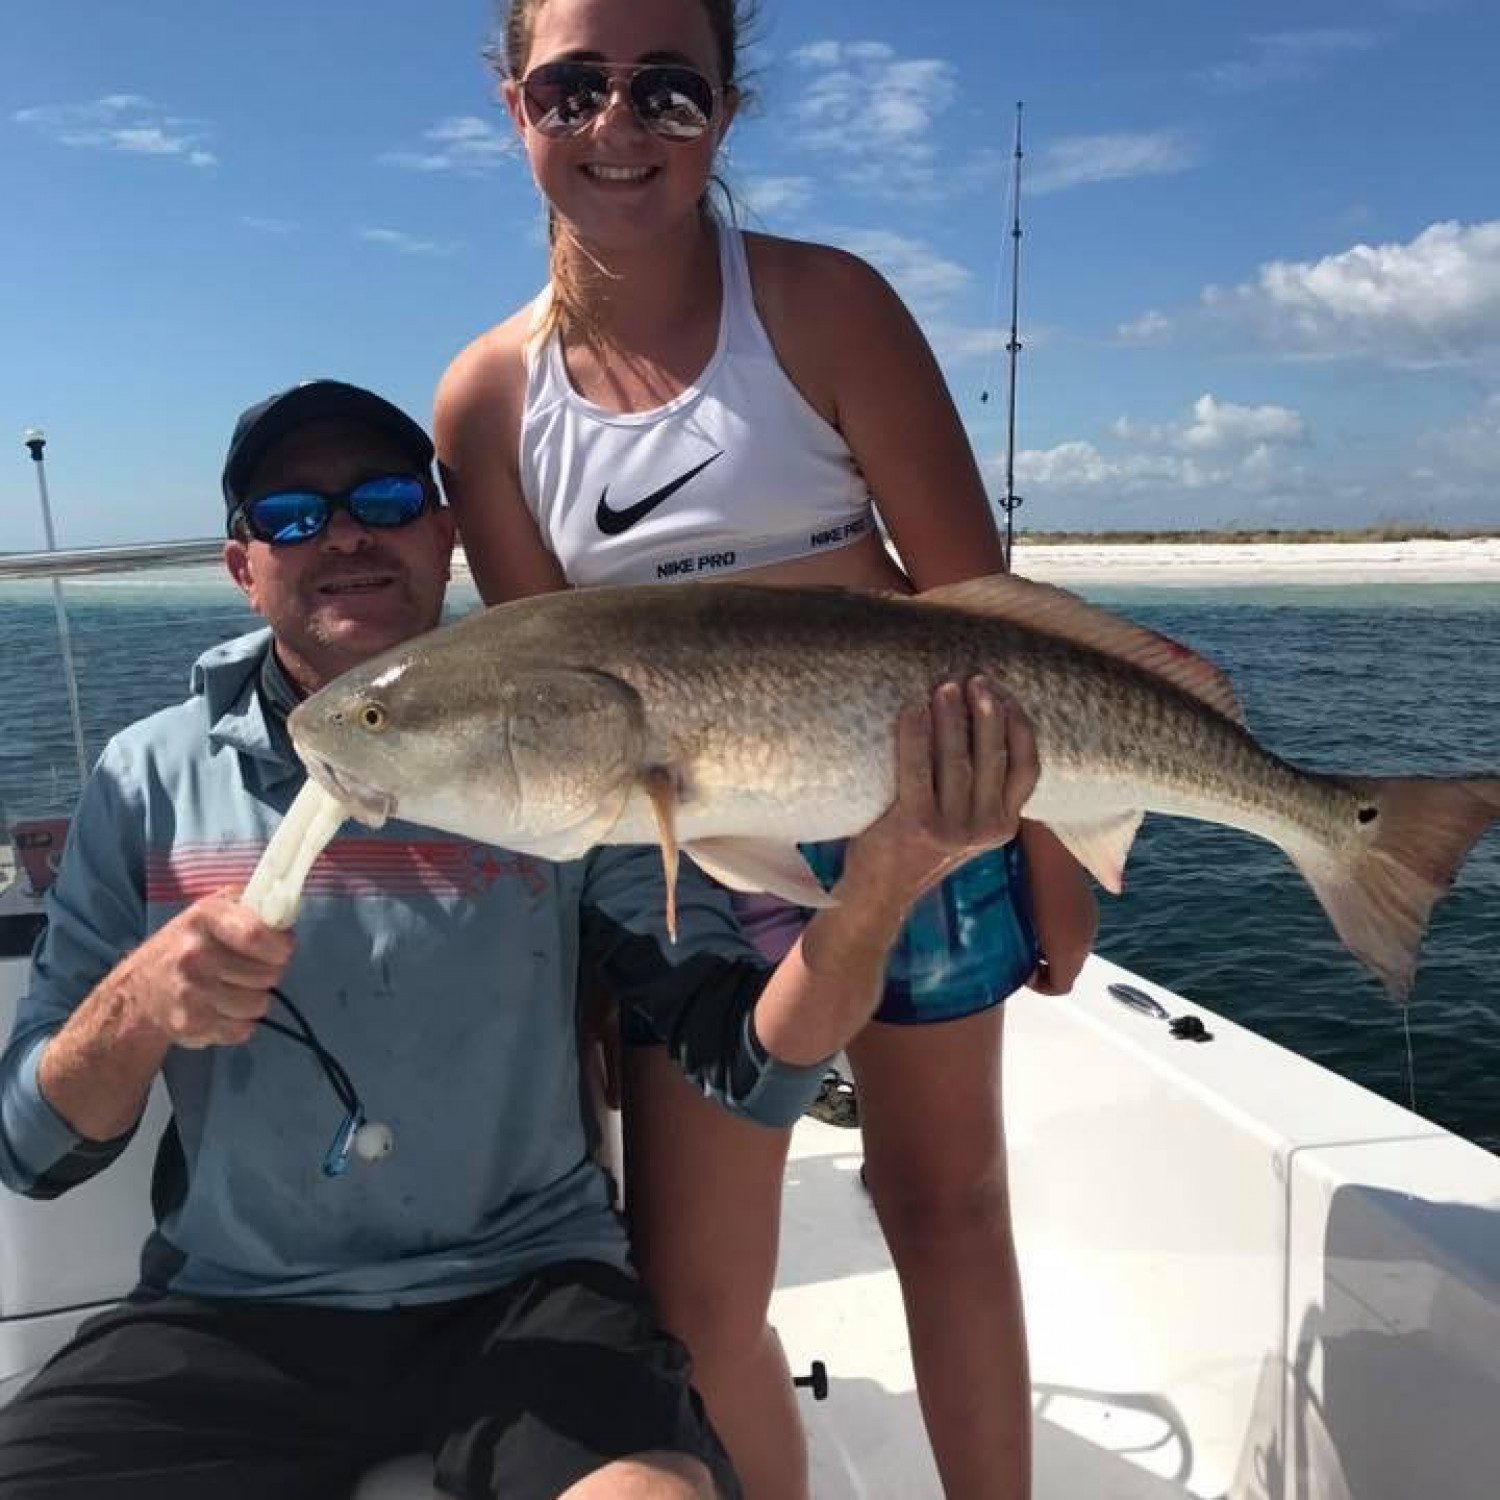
column 1261, row 268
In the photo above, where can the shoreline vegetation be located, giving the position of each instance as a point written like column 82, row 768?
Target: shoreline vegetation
column 1271, row 536
column 1373, row 555
column 1025, row 537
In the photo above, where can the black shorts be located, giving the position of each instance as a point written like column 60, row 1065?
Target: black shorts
column 518, row 1393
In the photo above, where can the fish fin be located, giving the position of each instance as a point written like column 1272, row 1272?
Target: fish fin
column 1059, row 612
column 1102, row 847
column 760, row 865
column 1411, row 839
column 661, row 788
column 595, row 722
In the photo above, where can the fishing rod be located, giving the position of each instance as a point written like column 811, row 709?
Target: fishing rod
column 1010, row 500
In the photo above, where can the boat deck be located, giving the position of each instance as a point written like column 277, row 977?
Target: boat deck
column 1245, row 1277
column 838, row 1301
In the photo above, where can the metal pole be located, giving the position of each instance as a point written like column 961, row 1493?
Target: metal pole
column 1011, row 500
column 36, row 441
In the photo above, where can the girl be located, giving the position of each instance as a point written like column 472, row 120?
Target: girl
column 687, row 401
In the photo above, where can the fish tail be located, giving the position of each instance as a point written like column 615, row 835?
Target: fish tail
column 1379, row 891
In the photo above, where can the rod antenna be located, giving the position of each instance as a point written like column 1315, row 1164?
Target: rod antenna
column 1010, row 500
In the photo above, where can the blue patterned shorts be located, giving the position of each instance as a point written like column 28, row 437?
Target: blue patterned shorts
column 967, row 944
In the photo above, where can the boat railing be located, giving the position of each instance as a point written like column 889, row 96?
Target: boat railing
column 77, row 562
column 95, row 638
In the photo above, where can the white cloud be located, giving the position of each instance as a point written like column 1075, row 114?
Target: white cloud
column 1213, row 426
column 927, row 282
column 1431, row 301
column 935, row 290
column 465, row 144
column 1466, row 455
column 1152, row 327
column 407, row 244
column 1080, row 465
column 1222, row 424
column 1225, row 465
column 1076, row 160
column 955, row 342
column 1219, row 464
column 1288, row 57
column 939, row 293
column 126, row 123
column 1078, row 484
column 818, row 55
column 767, row 196
column 868, row 101
column 874, row 109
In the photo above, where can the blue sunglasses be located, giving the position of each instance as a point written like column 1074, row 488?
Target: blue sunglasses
column 291, row 516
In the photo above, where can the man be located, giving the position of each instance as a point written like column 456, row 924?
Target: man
column 470, row 1295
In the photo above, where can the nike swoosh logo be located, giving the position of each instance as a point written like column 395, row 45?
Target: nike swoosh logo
column 617, row 522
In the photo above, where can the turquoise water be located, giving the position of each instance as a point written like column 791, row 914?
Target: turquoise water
column 1367, row 679
column 1361, row 678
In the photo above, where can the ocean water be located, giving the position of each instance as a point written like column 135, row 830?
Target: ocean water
column 1360, row 678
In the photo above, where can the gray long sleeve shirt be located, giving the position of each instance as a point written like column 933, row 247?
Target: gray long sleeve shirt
column 441, row 973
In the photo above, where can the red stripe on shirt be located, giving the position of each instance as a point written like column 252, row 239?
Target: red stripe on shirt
column 347, row 867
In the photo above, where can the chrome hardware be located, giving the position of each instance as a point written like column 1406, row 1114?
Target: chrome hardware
column 1184, row 1028
column 1128, row 994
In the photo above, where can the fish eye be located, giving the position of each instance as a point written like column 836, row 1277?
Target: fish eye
column 374, row 717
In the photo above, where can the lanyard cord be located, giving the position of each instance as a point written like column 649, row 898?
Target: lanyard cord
column 305, row 1036
column 367, row 1139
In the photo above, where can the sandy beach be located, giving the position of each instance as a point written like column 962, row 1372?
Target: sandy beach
column 1197, row 564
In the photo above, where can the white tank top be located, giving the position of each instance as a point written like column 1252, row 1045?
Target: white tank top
column 736, row 472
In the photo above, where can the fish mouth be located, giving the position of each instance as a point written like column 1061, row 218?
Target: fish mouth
column 364, row 802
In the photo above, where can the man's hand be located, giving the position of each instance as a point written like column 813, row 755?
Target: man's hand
column 204, row 979
column 966, row 764
column 201, row 981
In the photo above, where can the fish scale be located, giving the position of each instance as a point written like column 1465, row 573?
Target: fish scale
column 736, row 720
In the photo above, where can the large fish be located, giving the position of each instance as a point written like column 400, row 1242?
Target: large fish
column 734, row 721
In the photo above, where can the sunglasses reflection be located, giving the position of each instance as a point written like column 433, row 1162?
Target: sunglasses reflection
column 287, row 517
column 674, row 102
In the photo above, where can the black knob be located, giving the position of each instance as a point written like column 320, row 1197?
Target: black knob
column 1191, row 1029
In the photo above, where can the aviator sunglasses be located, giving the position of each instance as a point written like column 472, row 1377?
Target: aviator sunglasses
column 291, row 516
column 671, row 101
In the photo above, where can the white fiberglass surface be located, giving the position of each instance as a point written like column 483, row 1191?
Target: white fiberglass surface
column 1245, row 1278
column 838, row 1301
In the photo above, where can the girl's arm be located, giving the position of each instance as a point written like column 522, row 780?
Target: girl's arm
column 856, row 353
column 477, row 430
column 858, row 356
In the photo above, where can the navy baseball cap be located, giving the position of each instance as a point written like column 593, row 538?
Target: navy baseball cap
column 263, row 425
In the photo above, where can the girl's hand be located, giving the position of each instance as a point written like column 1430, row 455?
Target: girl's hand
column 966, row 765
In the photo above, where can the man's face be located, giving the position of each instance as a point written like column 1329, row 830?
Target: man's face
column 353, row 590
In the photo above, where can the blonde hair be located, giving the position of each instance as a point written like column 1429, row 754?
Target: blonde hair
column 570, row 308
